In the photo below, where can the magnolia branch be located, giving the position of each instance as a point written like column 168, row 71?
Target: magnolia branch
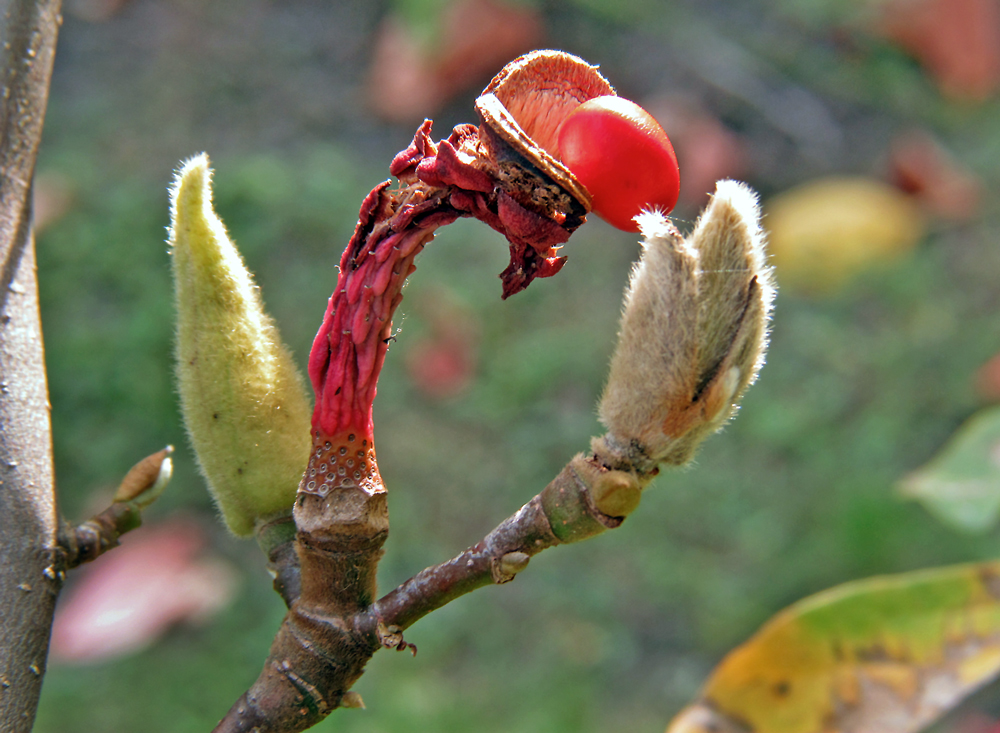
column 692, row 338
column 567, row 510
column 317, row 657
column 141, row 486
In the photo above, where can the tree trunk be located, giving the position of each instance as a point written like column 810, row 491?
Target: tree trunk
column 30, row 569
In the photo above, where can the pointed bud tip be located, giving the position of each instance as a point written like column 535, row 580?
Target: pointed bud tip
column 741, row 197
column 352, row 700
column 191, row 177
column 653, row 223
column 741, row 205
column 147, row 479
column 191, row 195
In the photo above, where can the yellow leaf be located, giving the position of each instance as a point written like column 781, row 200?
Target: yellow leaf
column 825, row 231
column 886, row 655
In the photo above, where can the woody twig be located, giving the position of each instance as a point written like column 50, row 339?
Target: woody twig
column 692, row 339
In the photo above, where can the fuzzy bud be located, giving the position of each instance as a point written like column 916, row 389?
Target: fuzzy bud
column 147, row 479
column 243, row 401
column 693, row 332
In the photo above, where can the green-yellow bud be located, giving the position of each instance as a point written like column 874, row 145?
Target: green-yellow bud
column 243, row 401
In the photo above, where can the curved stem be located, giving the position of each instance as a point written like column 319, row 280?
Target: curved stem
column 340, row 510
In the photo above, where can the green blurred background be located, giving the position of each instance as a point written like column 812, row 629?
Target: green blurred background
column 861, row 386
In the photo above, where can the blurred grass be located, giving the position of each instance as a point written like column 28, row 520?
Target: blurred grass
column 615, row 634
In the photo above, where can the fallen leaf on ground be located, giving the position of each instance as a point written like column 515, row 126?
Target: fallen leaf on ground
column 442, row 362
column 95, row 11
column 410, row 79
column 988, row 379
column 823, row 232
column 707, row 151
column 52, row 199
column 975, row 721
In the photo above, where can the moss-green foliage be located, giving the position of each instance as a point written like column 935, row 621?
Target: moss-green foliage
column 610, row 635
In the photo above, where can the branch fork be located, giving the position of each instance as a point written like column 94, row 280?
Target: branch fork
column 692, row 338
column 141, row 486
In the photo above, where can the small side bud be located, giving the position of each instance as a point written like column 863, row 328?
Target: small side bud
column 243, row 401
column 147, row 479
column 514, row 562
column 693, row 331
column 351, row 699
column 616, row 493
column 505, row 567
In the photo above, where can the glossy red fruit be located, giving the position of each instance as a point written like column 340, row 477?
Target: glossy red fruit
column 623, row 158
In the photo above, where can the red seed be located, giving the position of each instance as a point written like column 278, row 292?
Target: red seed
column 623, row 158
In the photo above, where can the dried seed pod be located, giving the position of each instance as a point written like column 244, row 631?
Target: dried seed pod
column 540, row 89
column 521, row 111
column 623, row 157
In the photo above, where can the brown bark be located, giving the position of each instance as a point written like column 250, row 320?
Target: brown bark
column 334, row 628
column 30, row 575
column 568, row 510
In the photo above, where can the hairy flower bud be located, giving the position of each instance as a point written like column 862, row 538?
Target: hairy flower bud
column 243, row 401
column 693, row 331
